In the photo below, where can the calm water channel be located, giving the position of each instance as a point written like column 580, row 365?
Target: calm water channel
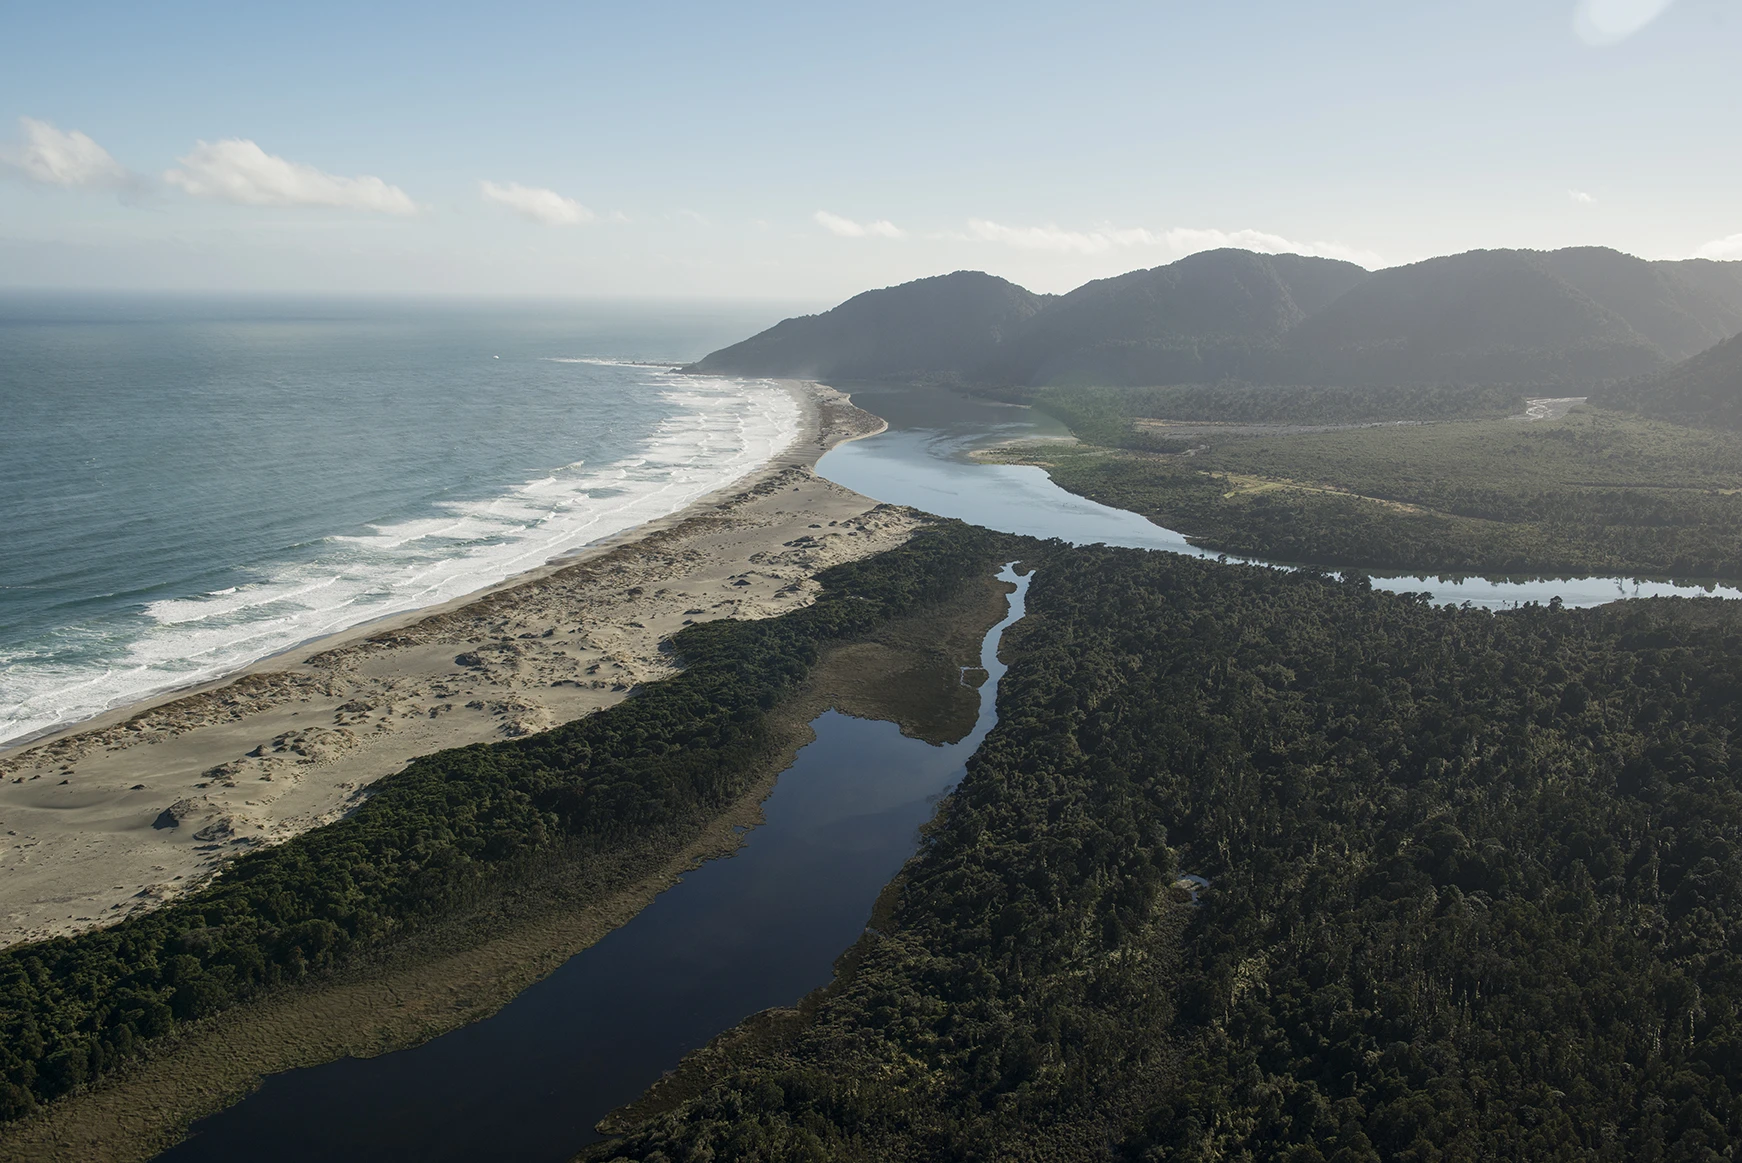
column 736, row 936
column 923, row 461
column 764, row 927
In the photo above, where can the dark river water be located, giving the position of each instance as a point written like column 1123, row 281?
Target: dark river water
column 761, row 928
column 736, row 936
column 923, row 461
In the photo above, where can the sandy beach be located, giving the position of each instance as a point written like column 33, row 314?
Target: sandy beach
column 135, row 807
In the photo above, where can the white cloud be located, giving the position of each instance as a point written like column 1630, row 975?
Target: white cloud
column 1582, row 198
column 847, row 228
column 1604, row 22
column 540, row 205
column 1041, row 237
column 1722, row 248
column 1179, row 241
column 236, row 170
column 58, row 157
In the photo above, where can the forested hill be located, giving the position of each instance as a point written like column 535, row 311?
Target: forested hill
column 946, row 327
column 1705, row 391
column 1572, row 317
column 451, row 834
column 1566, row 320
column 1475, row 890
column 1204, row 317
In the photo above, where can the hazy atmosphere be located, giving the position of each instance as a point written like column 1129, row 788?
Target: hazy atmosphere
column 772, row 583
column 803, row 152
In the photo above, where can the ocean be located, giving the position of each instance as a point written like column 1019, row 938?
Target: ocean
column 188, row 485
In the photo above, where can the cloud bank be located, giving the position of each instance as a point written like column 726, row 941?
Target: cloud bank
column 57, row 157
column 847, row 228
column 546, row 207
column 236, row 170
column 1179, row 241
column 1729, row 247
column 1605, row 22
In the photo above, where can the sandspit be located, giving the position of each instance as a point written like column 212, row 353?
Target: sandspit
column 139, row 805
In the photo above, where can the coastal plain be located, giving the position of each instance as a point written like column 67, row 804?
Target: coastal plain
column 117, row 815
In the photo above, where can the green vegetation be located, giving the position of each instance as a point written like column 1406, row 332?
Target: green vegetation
column 1566, row 319
column 1559, row 322
column 1114, row 417
column 938, row 329
column 1705, row 391
column 436, row 838
column 1208, row 316
column 1591, row 493
column 1473, row 883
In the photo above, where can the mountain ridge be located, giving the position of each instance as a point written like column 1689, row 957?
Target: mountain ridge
column 1201, row 316
column 939, row 327
column 1703, row 391
column 1560, row 320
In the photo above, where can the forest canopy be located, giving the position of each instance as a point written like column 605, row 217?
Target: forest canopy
column 438, row 837
column 1593, row 492
column 1475, row 890
column 1557, row 322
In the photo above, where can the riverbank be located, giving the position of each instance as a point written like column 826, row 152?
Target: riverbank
column 126, row 811
column 456, row 973
column 1564, row 493
column 1035, row 987
column 465, row 965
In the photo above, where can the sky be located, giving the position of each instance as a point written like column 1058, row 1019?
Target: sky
column 803, row 151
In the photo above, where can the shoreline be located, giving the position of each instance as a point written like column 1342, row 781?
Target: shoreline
column 119, row 812
column 467, row 965
column 803, row 391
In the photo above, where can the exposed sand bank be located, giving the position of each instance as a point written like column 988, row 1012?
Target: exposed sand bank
column 141, row 804
column 468, row 965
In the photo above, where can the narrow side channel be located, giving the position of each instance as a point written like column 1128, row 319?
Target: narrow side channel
column 735, row 937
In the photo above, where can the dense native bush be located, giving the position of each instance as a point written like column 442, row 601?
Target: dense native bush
column 1111, row 416
column 1476, row 893
column 446, row 829
column 1590, row 493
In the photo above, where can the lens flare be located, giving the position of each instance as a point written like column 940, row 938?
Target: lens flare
column 1601, row 22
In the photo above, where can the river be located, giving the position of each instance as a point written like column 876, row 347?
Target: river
column 764, row 927
column 734, row 937
column 923, row 460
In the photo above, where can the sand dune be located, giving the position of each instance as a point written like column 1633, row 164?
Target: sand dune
column 121, row 813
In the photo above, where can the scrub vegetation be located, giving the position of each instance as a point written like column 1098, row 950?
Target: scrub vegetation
column 448, row 832
column 1122, row 417
column 1472, row 883
column 1591, row 493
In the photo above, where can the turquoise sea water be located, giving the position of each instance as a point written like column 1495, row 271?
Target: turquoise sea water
column 187, row 485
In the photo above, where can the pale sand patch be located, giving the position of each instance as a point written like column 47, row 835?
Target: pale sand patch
column 138, row 806
column 909, row 672
column 134, row 1116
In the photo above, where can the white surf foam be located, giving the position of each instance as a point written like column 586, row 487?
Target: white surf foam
column 719, row 431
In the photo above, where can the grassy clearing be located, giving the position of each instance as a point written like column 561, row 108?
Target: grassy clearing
column 1592, row 492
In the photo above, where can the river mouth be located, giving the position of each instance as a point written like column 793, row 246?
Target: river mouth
column 735, row 937
column 764, row 928
column 923, row 460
